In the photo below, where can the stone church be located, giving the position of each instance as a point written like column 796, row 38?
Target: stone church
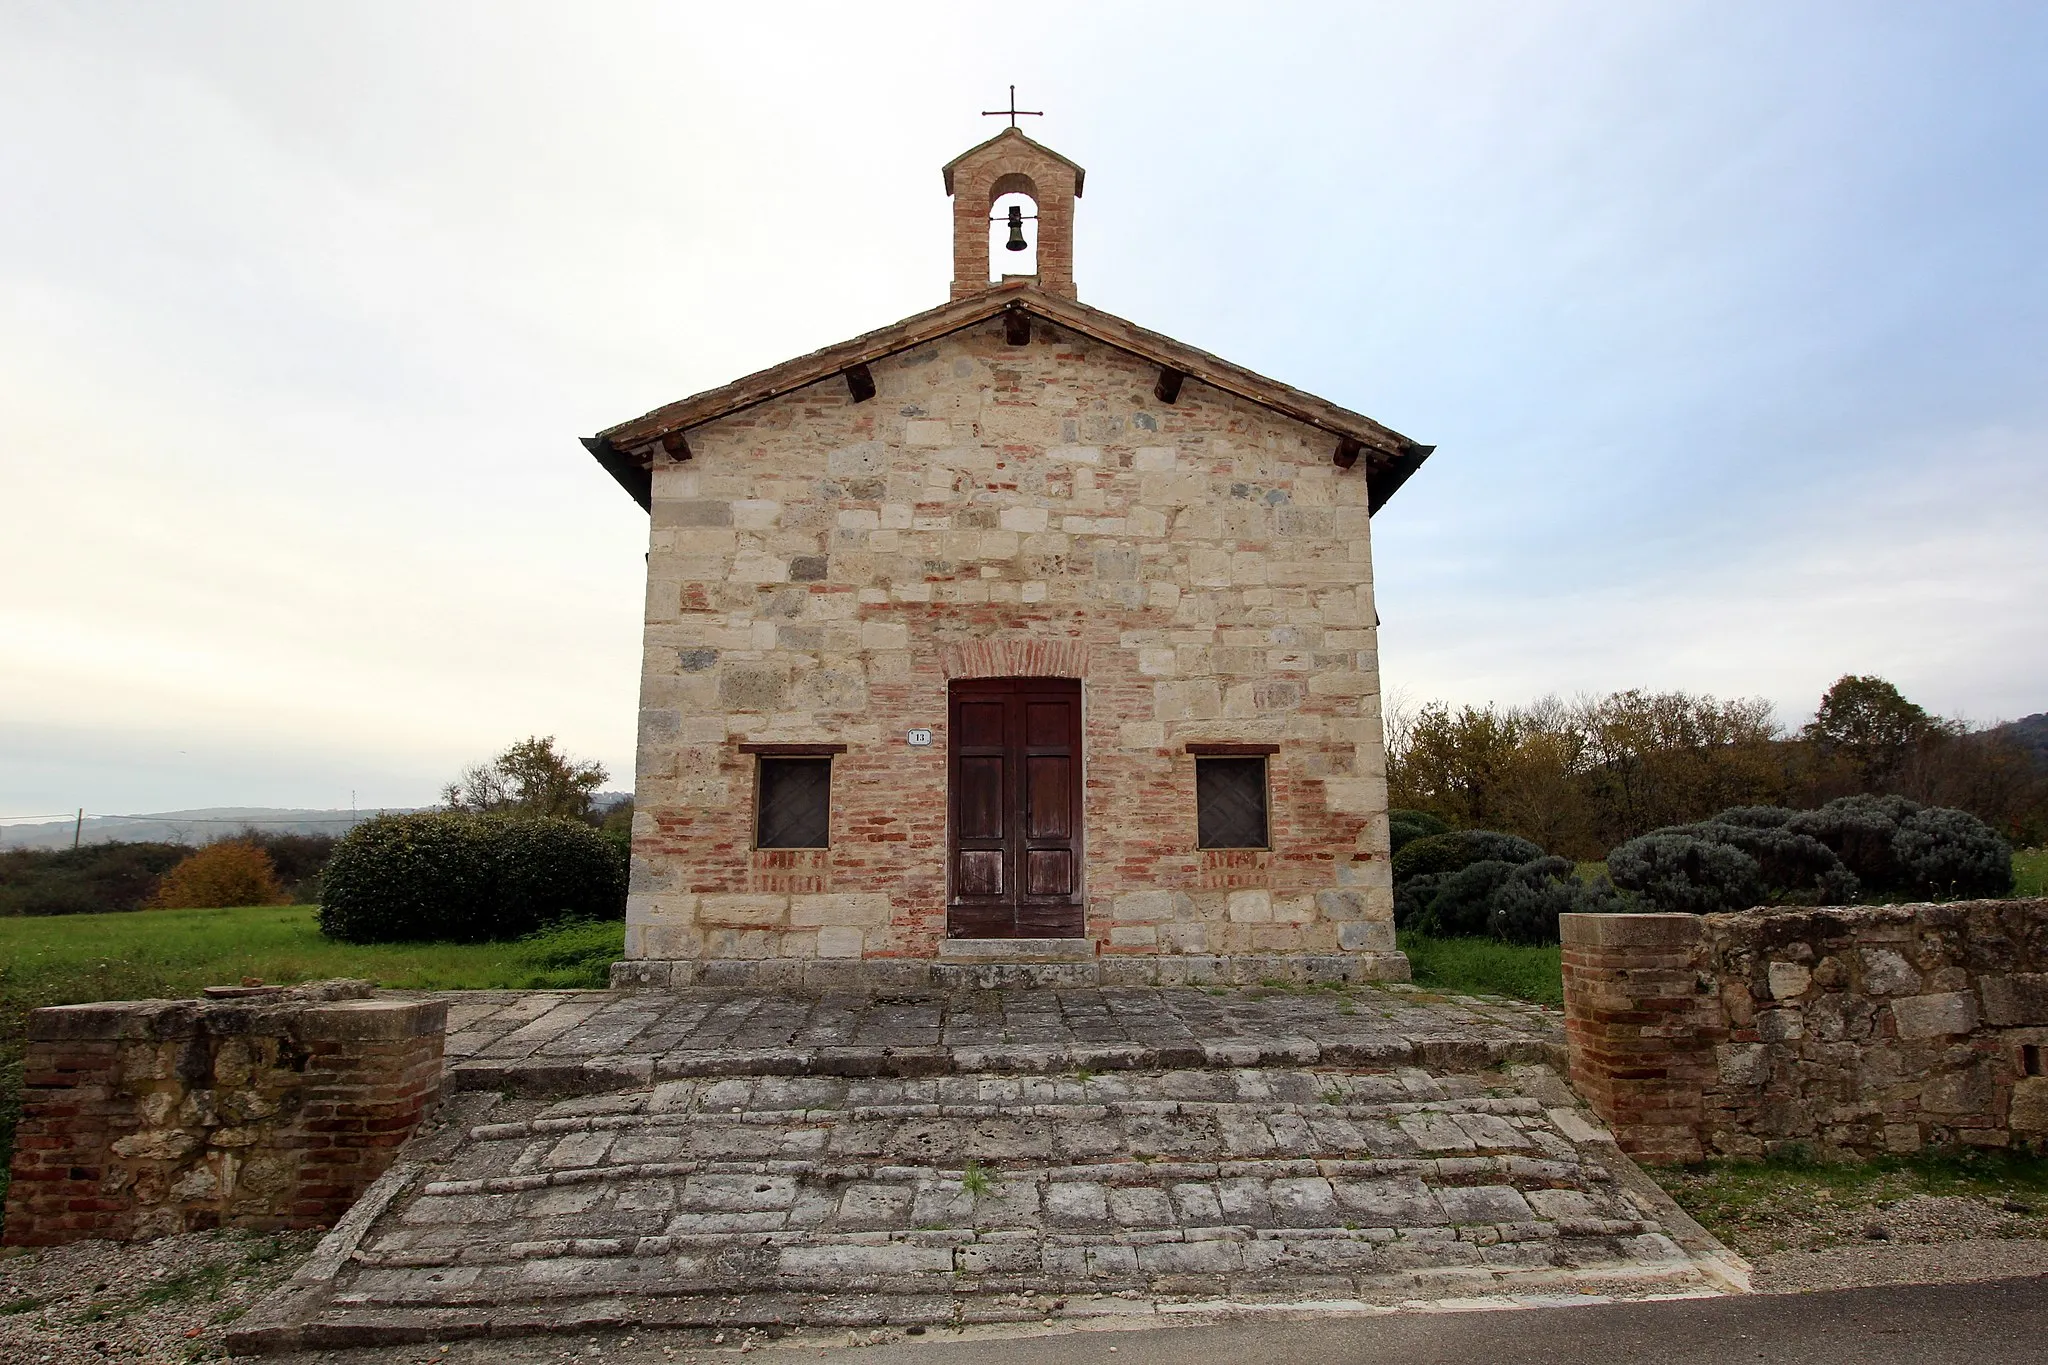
column 1009, row 642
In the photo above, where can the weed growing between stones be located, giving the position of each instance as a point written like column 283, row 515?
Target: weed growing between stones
column 975, row 1180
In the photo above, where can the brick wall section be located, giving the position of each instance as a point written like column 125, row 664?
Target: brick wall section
column 1639, row 1031
column 145, row 1118
column 1851, row 1031
column 821, row 568
column 1010, row 164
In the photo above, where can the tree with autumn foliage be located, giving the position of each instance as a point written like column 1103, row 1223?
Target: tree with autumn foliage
column 529, row 778
column 231, row 872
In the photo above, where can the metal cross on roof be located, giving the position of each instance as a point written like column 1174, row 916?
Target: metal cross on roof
column 1013, row 112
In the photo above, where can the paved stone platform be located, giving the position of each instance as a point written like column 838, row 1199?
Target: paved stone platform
column 560, row 1042
column 706, row 1158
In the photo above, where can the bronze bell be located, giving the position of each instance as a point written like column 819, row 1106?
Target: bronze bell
column 1016, row 242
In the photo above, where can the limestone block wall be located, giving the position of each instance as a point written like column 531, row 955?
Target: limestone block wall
column 143, row 1118
column 1856, row 1030
column 821, row 569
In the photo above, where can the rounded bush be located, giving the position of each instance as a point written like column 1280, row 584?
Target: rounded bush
column 1465, row 898
column 1794, row 867
column 1951, row 854
column 550, row 870
column 1525, row 907
column 1431, row 855
column 1753, row 817
column 1440, row 853
column 1860, row 829
column 1404, row 827
column 231, row 872
column 1412, row 898
column 466, row 878
column 1685, row 873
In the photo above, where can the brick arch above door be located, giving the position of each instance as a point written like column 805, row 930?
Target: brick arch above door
column 1016, row 656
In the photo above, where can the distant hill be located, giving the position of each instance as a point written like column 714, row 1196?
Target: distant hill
column 186, row 826
column 2030, row 731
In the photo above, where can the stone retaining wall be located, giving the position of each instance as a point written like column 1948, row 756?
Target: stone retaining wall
column 143, row 1118
column 1853, row 1031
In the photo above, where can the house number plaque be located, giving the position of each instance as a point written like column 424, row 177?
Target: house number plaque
column 920, row 739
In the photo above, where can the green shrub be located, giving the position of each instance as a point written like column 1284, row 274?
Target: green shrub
column 1752, row 817
column 1793, row 867
column 1412, row 898
column 1684, row 873
column 1899, row 847
column 1464, row 899
column 1526, row 907
column 1440, row 853
column 1404, row 827
column 1860, row 830
column 1950, row 854
column 466, row 878
column 95, row 879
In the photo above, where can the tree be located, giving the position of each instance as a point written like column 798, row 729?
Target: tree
column 230, row 872
column 530, row 778
column 1866, row 722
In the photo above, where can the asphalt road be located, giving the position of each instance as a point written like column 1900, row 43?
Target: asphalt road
column 1984, row 1323
column 1959, row 1324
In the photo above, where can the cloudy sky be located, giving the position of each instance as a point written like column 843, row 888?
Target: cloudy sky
column 1729, row 322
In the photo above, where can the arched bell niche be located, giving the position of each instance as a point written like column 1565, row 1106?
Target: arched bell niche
column 1013, row 227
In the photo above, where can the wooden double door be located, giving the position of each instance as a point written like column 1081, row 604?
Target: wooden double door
column 1014, row 809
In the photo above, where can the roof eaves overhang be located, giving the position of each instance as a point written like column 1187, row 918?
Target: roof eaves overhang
column 628, row 449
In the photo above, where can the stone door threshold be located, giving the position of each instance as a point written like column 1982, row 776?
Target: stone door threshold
column 1000, row 965
column 1017, row 950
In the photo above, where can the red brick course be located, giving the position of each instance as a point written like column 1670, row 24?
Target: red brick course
column 152, row 1117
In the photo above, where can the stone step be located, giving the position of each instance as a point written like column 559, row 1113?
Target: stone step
column 773, row 1201
column 552, row 1072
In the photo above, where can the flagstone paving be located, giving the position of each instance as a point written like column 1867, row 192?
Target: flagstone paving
column 953, row 1160
column 551, row 1041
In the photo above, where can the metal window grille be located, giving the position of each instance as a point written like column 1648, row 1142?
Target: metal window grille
column 1230, row 802
column 794, row 804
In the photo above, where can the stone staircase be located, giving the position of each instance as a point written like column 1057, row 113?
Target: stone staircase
column 801, row 1201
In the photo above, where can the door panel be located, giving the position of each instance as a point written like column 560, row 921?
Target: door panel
column 1045, row 724
column 979, row 725
column 981, row 797
column 1047, row 797
column 1048, row 872
column 1015, row 806
column 981, row 872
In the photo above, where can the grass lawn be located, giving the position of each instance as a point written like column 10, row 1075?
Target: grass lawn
column 2030, row 872
column 167, row 954
column 1482, row 966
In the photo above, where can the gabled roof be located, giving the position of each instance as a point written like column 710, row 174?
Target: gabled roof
column 1014, row 135
column 627, row 450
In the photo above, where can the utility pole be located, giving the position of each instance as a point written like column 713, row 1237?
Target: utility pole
column 77, row 829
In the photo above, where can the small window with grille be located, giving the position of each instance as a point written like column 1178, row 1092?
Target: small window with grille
column 1230, row 802
column 793, row 803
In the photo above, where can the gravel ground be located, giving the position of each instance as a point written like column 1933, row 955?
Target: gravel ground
column 1881, row 1263
column 163, row 1302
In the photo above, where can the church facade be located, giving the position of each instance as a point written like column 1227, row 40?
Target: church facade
column 1009, row 642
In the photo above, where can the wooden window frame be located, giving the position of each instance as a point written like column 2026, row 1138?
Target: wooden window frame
column 818, row 753
column 1264, row 754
